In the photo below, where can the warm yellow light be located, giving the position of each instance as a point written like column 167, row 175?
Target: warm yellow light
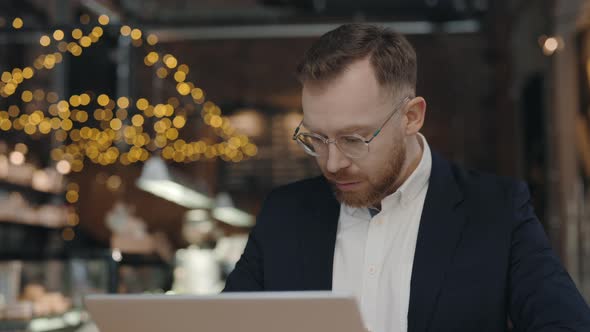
column 38, row 63
column 68, row 234
column 99, row 114
column 17, row 77
column 108, row 114
column 179, row 121
column 58, row 35
column 142, row 104
column 30, row 128
column 82, row 116
column 77, row 33
column 61, row 135
column 172, row 134
column 45, row 40
column 28, row 72
column 77, row 166
column 159, row 127
column 16, row 158
column 103, row 19
column 162, row 72
column 49, row 61
column 116, row 124
column 55, row 123
column 35, row 118
column 85, row 41
column 27, row 96
column 234, row 142
column 75, row 100
column 72, row 196
column 250, row 149
column 183, row 68
column 153, row 57
column 103, row 100
column 152, row 39
column 149, row 111
column 170, row 61
column 76, row 51
column 167, row 152
column 67, row 124
column 58, row 57
column 39, row 94
column 169, row 111
column 22, row 148
column 129, row 132
column 75, row 135
column 52, row 97
column 179, row 76
column 114, row 182
column 9, row 89
column 62, row 46
column 123, row 102
column 136, row 34
column 174, row 102
column 183, row 88
column 125, row 30
column 45, row 126
column 550, row 46
column 197, row 93
column 17, row 23
column 63, row 106
column 56, row 154
column 84, row 99
column 63, row 167
column 216, row 121
column 97, row 31
column 5, row 124
column 137, row 120
column 122, row 114
column 6, row 77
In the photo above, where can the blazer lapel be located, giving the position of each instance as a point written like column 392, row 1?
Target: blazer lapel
column 440, row 229
column 318, row 238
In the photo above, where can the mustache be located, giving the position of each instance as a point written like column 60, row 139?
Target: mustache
column 341, row 177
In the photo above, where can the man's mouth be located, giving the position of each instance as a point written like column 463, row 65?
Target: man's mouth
column 347, row 185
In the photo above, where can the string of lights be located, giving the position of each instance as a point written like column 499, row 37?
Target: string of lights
column 124, row 124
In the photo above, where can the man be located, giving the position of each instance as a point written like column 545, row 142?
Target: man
column 423, row 244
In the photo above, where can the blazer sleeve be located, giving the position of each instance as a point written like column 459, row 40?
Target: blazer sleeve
column 248, row 274
column 542, row 295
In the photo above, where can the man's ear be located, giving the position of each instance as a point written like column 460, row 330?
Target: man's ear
column 415, row 114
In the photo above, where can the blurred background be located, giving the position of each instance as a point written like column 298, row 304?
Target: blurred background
column 138, row 139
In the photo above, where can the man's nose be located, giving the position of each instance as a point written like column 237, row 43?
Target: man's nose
column 336, row 160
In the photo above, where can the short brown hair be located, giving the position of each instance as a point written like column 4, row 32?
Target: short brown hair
column 392, row 57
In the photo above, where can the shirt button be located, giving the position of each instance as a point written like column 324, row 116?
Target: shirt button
column 372, row 269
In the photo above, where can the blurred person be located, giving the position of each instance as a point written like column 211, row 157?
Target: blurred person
column 423, row 244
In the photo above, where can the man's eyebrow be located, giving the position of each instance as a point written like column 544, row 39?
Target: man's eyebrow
column 356, row 128
column 346, row 130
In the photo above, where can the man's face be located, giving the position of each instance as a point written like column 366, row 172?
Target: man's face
column 354, row 103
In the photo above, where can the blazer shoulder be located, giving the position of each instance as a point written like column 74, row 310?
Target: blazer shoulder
column 483, row 184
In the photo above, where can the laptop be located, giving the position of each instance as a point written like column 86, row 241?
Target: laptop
column 229, row 312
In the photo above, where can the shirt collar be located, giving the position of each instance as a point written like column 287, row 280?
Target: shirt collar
column 408, row 191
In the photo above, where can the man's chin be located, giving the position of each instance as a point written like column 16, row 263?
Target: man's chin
column 353, row 199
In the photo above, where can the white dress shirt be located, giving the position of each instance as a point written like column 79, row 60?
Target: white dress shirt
column 374, row 256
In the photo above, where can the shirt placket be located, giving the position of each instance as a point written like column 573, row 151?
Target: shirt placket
column 374, row 250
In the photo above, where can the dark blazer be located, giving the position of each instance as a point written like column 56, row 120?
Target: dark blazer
column 482, row 257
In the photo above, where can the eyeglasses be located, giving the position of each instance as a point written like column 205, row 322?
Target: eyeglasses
column 353, row 146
